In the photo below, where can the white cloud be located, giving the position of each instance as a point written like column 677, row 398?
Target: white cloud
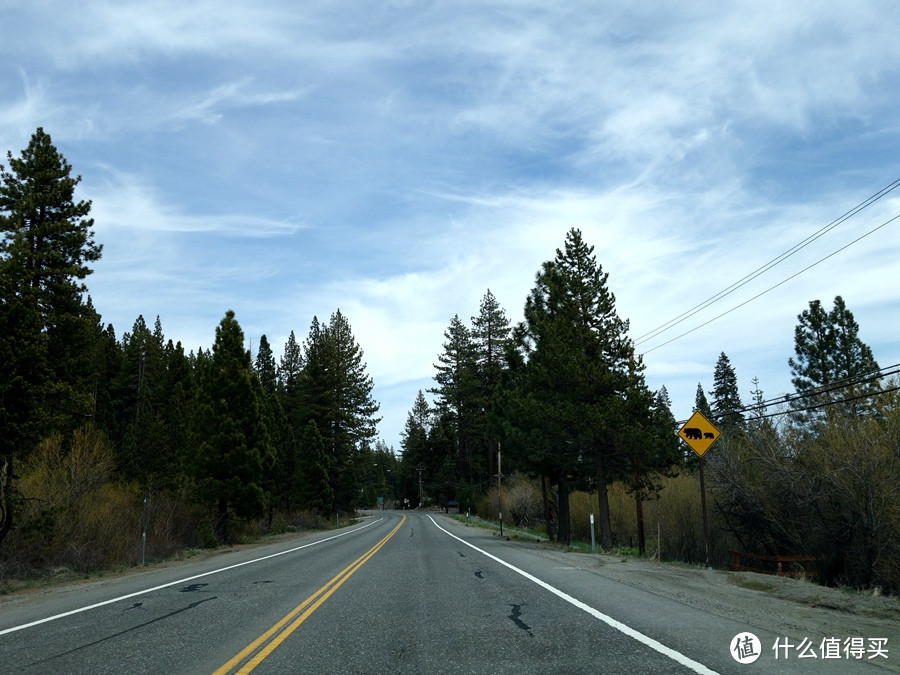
column 285, row 160
column 126, row 202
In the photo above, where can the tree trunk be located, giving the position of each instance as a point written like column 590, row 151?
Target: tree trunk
column 606, row 541
column 6, row 497
column 222, row 521
column 639, row 509
column 545, row 492
column 565, row 532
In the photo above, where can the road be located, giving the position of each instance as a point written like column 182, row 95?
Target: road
column 396, row 593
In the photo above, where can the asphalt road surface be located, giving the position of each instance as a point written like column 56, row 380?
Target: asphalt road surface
column 396, row 593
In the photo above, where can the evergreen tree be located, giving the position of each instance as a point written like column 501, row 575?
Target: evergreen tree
column 46, row 246
column 336, row 393
column 457, row 393
column 290, row 366
column 234, row 450
column 180, row 393
column 831, row 361
column 758, row 424
column 284, row 476
column 701, row 403
column 315, row 492
column 662, row 403
column 575, row 376
column 650, row 439
column 491, row 339
column 141, row 393
column 726, row 399
column 265, row 367
column 414, row 445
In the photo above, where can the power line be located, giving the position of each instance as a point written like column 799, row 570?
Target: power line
column 870, row 394
column 771, row 288
column 769, row 265
column 844, row 383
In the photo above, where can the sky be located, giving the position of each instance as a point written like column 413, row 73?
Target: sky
column 395, row 160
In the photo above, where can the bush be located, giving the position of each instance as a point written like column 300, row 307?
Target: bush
column 206, row 533
column 521, row 501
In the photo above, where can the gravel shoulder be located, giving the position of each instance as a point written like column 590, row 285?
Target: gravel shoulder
column 791, row 607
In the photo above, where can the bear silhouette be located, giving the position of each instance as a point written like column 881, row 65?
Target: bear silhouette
column 693, row 432
column 708, row 435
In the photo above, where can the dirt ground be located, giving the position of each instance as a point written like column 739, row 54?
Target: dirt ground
column 794, row 608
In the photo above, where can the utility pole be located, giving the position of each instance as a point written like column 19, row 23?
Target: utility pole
column 420, row 469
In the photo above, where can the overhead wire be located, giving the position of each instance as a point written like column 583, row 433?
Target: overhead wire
column 764, row 268
column 871, row 394
column 844, row 383
column 771, row 288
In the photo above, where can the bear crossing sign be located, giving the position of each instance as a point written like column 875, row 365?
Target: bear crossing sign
column 699, row 433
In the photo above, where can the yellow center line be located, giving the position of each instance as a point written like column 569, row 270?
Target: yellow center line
column 311, row 604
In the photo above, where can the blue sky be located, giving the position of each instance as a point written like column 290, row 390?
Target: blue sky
column 397, row 159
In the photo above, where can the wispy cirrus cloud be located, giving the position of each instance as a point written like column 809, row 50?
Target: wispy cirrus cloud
column 286, row 159
column 125, row 202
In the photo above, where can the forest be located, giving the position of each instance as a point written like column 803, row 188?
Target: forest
column 119, row 449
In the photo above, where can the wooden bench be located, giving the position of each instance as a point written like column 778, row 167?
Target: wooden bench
column 779, row 565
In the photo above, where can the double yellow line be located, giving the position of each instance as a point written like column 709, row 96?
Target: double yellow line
column 266, row 643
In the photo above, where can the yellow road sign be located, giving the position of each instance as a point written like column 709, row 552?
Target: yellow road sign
column 699, row 433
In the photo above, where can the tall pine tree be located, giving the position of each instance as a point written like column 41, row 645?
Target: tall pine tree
column 576, row 375
column 336, row 393
column 458, row 400
column 234, row 451
column 831, row 362
column 491, row 338
column 726, row 400
column 46, row 247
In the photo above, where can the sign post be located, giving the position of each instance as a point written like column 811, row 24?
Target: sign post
column 699, row 434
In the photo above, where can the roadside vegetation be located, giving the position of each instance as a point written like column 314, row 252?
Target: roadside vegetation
column 116, row 449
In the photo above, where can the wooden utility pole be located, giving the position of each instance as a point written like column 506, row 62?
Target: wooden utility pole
column 420, row 469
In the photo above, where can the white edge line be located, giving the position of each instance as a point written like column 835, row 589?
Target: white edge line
column 180, row 581
column 618, row 625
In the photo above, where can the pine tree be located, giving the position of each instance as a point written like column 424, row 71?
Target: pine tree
column 314, row 490
column 726, row 399
column 831, row 361
column 234, row 450
column 265, row 367
column 577, row 358
column 290, row 366
column 284, row 476
column 458, row 394
column 289, row 369
column 650, row 440
column 336, row 393
column 491, row 340
column 47, row 246
column 701, row 403
column 46, row 327
column 414, row 444
column 415, row 432
column 813, row 345
column 757, row 423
